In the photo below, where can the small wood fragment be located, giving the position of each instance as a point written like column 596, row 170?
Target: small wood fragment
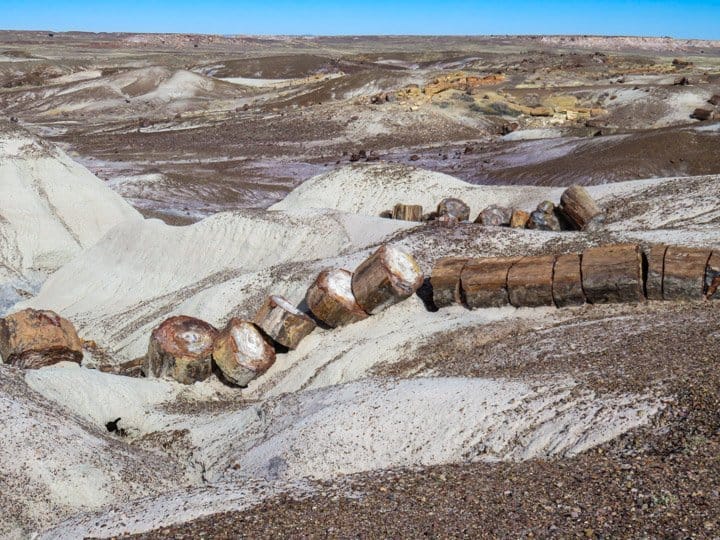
column 519, row 219
column 408, row 212
column 455, row 208
column 581, row 209
column 283, row 322
column 530, row 281
column 242, row 352
column 612, row 274
column 567, row 281
column 445, row 281
column 330, row 298
column 684, row 273
column 712, row 277
column 495, row 216
column 484, row 281
column 655, row 257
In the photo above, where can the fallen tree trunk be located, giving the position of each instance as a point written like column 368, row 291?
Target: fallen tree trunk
column 684, row 273
column 484, row 281
column 612, row 274
column 385, row 278
column 580, row 209
column 32, row 339
column 408, row 212
column 445, row 281
column 530, row 281
column 712, row 277
column 655, row 257
column 283, row 322
column 331, row 299
column 567, row 281
column 181, row 348
column 241, row 352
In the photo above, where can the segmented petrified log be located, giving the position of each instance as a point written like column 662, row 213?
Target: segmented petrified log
column 242, row 352
column 544, row 218
column 684, row 273
column 484, row 281
column 580, row 209
column 530, row 281
column 331, row 298
column 445, row 281
column 283, row 322
column 612, row 274
column 33, row 339
column 712, row 277
column 454, row 207
column 655, row 257
column 519, row 219
column 408, row 212
column 385, row 278
column 567, row 281
column 181, row 348
column 494, row 215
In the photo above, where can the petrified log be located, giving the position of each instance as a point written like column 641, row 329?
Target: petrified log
column 181, row 348
column 283, row 322
column 544, row 218
column 445, row 281
column 494, row 215
column 385, row 278
column 655, row 257
column 519, row 219
column 684, row 273
column 530, row 281
column 454, row 207
column 131, row 368
column 714, row 100
column 33, row 339
column 484, row 281
column 701, row 114
column 612, row 274
column 242, row 352
column 580, row 209
column 567, row 281
column 331, row 298
column 712, row 277
column 408, row 212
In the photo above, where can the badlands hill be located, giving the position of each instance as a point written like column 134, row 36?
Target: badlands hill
column 410, row 390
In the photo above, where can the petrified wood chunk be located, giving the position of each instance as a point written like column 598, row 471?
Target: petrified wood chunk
column 181, row 348
column 712, row 277
column 544, row 218
column 408, row 212
column 484, row 281
column 454, row 207
column 530, row 281
column 580, row 209
column 519, row 219
column 612, row 274
column 445, row 281
column 283, row 322
column 655, row 257
column 701, row 114
column 684, row 273
column 242, row 352
column 385, row 278
column 331, row 298
column 36, row 338
column 567, row 281
column 131, row 368
column 494, row 215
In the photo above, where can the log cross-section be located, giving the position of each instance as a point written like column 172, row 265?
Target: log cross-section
column 445, row 281
column 580, row 208
column 484, row 281
column 567, row 281
column 330, row 298
column 684, row 273
column 655, row 257
column 612, row 274
column 283, row 322
column 242, row 352
column 530, row 281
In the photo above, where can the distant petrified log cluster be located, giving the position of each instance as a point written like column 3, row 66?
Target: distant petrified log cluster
column 577, row 211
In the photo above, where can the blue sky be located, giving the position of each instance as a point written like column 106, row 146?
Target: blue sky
column 688, row 18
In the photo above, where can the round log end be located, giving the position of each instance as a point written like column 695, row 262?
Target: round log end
column 330, row 298
column 241, row 352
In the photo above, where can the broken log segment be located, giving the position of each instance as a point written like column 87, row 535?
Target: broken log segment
column 408, row 212
column 455, row 208
column 242, row 352
column 484, row 281
column 495, row 216
column 684, row 273
column 387, row 277
column 655, row 257
column 283, row 322
column 32, row 339
column 712, row 277
column 530, row 281
column 567, row 281
column 181, row 348
column 612, row 274
column 445, row 281
column 330, row 298
column 580, row 209
column 519, row 219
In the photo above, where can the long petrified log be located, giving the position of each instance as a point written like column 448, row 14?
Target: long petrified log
column 484, row 281
column 580, row 208
column 712, row 277
column 445, row 281
column 242, row 352
column 385, row 278
column 530, row 281
column 331, row 298
column 408, row 212
column 567, row 281
column 181, row 348
column 36, row 338
column 684, row 273
column 655, row 257
column 283, row 322
column 612, row 274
